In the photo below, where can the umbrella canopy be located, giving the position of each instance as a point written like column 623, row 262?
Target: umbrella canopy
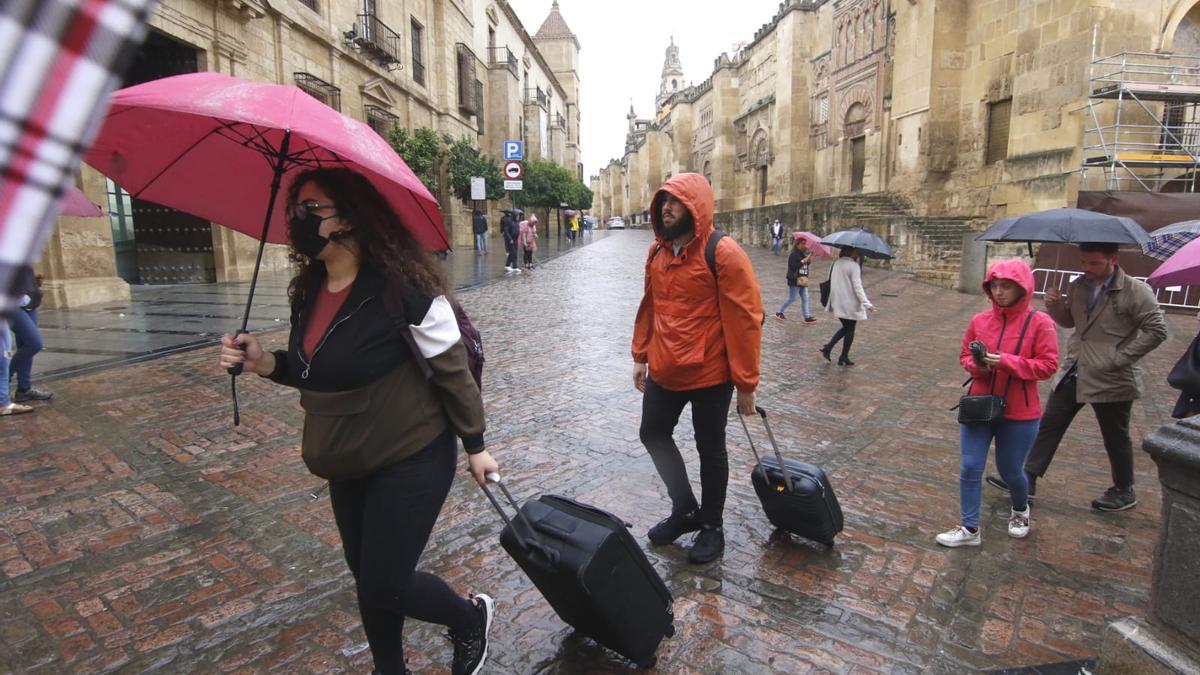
column 213, row 145
column 1165, row 241
column 1181, row 269
column 862, row 239
column 76, row 203
column 1067, row 226
column 813, row 242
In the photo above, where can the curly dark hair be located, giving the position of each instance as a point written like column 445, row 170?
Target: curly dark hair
column 384, row 244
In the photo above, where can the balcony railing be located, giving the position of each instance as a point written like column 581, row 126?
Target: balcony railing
column 502, row 57
column 558, row 122
column 319, row 89
column 381, row 120
column 381, row 42
column 535, row 96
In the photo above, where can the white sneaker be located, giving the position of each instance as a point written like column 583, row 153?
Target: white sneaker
column 959, row 536
column 518, row 270
column 1018, row 523
column 509, row 270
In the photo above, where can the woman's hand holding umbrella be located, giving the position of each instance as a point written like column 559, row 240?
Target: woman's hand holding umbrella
column 245, row 349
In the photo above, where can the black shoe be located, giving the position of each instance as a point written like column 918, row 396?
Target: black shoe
column 845, row 362
column 998, row 482
column 825, row 352
column 707, row 546
column 674, row 527
column 1114, row 499
column 471, row 646
column 780, row 316
column 31, row 394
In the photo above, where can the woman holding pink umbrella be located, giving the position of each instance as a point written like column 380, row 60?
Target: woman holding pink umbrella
column 797, row 277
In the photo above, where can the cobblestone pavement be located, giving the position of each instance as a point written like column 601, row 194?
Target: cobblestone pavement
column 141, row 531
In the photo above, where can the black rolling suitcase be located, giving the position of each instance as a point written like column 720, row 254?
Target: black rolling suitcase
column 591, row 571
column 799, row 499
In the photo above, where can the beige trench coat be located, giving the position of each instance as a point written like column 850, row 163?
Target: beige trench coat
column 1126, row 324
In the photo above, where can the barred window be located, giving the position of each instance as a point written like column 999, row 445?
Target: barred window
column 381, row 119
column 466, row 80
column 999, row 114
column 319, row 89
column 418, row 62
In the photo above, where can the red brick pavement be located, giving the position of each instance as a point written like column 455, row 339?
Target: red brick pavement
column 139, row 530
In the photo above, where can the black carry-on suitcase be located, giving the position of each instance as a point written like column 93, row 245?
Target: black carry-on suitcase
column 591, row 571
column 798, row 499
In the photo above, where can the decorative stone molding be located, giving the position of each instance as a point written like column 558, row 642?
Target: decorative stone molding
column 244, row 10
column 857, row 94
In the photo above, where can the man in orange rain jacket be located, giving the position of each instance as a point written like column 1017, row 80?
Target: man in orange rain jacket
column 695, row 339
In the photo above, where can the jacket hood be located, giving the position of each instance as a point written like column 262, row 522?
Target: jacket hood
column 695, row 193
column 533, row 219
column 1014, row 270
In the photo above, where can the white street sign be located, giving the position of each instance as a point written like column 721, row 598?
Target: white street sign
column 478, row 188
column 514, row 185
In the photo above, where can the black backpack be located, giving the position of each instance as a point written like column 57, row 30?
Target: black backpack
column 710, row 251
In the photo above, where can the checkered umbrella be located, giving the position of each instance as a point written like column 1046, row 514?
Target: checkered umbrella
column 59, row 62
column 1165, row 241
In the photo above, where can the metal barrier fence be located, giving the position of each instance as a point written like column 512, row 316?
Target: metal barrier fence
column 1179, row 297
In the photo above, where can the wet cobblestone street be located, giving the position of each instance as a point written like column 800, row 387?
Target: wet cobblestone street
column 140, row 530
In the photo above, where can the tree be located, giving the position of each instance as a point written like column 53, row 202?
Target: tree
column 466, row 161
column 550, row 185
column 421, row 150
column 581, row 196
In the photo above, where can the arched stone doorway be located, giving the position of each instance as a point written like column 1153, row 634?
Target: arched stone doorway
column 854, row 125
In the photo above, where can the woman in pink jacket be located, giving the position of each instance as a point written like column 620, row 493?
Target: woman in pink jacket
column 527, row 238
column 1020, row 348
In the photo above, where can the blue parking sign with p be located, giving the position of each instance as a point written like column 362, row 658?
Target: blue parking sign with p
column 514, row 150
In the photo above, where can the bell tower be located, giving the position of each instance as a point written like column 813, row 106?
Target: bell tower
column 672, row 75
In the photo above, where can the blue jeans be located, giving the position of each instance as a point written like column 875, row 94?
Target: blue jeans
column 481, row 242
column 1013, row 440
column 29, row 343
column 775, row 245
column 793, row 293
column 4, row 398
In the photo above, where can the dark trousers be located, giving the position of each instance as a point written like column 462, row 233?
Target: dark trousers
column 528, row 257
column 1114, row 427
column 510, row 249
column 846, row 335
column 661, row 409
column 385, row 519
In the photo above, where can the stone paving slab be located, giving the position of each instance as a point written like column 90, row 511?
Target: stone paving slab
column 141, row 532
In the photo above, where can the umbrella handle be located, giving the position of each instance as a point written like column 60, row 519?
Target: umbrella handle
column 237, row 368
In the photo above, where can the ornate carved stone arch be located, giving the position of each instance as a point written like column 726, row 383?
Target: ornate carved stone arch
column 858, row 95
column 760, row 148
column 1171, row 25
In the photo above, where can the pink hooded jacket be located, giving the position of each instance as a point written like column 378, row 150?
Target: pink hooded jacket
column 527, row 233
column 1000, row 328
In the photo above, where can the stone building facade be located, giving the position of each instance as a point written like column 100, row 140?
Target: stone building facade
column 461, row 67
column 924, row 118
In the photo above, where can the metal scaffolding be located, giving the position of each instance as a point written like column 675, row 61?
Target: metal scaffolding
column 1144, row 129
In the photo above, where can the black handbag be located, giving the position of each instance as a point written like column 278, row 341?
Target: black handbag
column 824, row 288
column 988, row 408
column 1185, row 376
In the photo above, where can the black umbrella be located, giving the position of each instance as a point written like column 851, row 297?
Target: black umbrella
column 1067, row 226
column 862, row 239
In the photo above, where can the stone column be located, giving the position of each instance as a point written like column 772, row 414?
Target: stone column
column 1168, row 639
column 78, row 262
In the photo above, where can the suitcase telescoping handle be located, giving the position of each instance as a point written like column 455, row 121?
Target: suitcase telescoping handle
column 787, row 479
column 535, row 540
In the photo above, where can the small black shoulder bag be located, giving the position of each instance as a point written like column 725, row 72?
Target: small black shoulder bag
column 988, row 408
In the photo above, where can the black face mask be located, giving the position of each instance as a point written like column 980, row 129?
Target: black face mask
column 306, row 236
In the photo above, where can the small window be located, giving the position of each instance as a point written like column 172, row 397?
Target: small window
column 311, row 4
column 999, row 114
column 319, row 89
column 418, row 62
column 381, row 119
column 823, row 110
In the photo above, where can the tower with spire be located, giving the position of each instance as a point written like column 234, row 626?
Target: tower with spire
column 559, row 46
column 672, row 76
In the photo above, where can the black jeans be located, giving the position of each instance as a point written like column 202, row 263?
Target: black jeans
column 846, row 335
column 1114, row 427
column 661, row 409
column 510, row 250
column 385, row 520
column 528, row 257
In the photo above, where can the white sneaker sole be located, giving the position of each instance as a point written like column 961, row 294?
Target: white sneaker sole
column 490, row 606
column 958, row 543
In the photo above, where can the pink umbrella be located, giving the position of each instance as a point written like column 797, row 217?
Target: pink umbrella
column 220, row 148
column 813, row 242
column 1181, row 269
column 76, row 203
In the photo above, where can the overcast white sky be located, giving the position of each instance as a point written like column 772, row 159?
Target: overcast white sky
column 623, row 44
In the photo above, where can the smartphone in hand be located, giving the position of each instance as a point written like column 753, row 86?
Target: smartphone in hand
column 978, row 351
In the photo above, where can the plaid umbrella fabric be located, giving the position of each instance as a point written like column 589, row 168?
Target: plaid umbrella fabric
column 1165, row 241
column 59, row 60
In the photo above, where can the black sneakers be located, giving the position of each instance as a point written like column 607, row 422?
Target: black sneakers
column 23, row 395
column 471, row 646
column 707, row 546
column 674, row 527
column 998, row 482
column 1114, row 499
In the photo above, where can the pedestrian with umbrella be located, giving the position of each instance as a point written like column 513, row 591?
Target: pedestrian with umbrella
column 1182, row 268
column 376, row 353
column 843, row 293
column 1116, row 321
column 804, row 247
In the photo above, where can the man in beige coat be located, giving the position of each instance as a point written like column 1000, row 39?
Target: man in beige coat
column 1117, row 321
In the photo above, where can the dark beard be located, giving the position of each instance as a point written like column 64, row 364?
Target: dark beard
column 683, row 226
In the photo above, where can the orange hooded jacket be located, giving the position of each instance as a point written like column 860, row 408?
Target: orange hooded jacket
column 693, row 331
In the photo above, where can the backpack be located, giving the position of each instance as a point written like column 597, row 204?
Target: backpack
column 470, row 339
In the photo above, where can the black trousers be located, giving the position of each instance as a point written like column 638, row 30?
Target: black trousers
column 846, row 335
column 661, row 409
column 528, row 257
column 385, row 520
column 1114, row 427
column 510, row 250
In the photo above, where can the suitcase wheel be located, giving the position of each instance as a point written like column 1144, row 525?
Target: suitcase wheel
column 648, row 663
